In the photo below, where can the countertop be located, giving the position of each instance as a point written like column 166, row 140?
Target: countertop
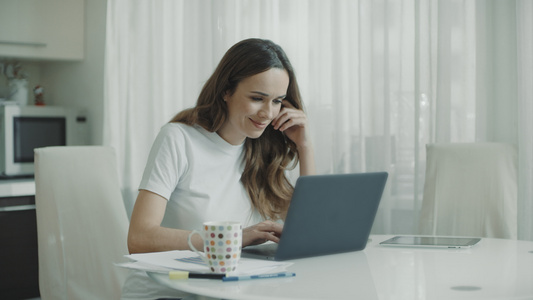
column 17, row 187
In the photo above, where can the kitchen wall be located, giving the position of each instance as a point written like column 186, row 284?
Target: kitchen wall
column 78, row 84
column 81, row 84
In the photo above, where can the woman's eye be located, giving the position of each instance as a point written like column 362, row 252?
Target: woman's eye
column 278, row 101
column 257, row 98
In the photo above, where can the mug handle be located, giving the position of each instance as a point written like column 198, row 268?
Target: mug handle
column 189, row 241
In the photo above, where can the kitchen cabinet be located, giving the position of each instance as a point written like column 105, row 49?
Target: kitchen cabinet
column 19, row 264
column 42, row 29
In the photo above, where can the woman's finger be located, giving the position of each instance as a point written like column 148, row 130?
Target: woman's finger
column 262, row 232
column 290, row 119
column 287, row 114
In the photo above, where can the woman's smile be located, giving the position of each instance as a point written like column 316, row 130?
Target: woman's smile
column 259, row 125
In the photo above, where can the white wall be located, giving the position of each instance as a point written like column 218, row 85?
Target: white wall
column 81, row 84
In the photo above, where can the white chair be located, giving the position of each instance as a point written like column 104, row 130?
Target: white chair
column 81, row 223
column 470, row 190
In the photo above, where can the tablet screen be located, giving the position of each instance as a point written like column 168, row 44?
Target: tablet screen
column 431, row 241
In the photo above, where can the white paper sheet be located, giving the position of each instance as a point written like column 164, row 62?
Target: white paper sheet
column 177, row 260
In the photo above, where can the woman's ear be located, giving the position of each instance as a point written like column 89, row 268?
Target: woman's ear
column 225, row 96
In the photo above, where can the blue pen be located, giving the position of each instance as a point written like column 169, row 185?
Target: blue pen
column 260, row 276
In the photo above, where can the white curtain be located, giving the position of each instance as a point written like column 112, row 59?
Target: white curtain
column 379, row 78
column 524, row 10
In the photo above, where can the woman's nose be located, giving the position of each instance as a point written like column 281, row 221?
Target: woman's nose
column 267, row 112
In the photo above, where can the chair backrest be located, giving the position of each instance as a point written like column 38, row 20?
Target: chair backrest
column 81, row 223
column 470, row 190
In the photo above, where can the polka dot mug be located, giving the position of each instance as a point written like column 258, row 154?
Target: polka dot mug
column 222, row 245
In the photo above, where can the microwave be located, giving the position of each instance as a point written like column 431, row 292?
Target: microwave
column 24, row 128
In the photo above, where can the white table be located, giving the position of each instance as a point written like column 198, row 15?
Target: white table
column 493, row 269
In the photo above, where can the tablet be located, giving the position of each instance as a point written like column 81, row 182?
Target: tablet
column 431, row 241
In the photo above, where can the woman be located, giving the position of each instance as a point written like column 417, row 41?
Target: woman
column 226, row 158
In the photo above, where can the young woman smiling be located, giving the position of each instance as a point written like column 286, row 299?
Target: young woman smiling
column 224, row 159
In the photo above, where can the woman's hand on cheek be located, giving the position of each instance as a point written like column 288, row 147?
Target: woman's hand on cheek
column 261, row 233
column 293, row 122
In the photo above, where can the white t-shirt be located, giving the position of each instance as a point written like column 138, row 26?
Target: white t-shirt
column 199, row 174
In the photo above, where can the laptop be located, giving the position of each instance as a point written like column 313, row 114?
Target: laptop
column 328, row 214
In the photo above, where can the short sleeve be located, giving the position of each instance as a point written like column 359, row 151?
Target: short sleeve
column 166, row 163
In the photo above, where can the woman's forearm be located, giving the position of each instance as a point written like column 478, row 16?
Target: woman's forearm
column 145, row 232
column 160, row 239
column 307, row 160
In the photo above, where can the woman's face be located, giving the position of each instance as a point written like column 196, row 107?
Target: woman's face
column 255, row 102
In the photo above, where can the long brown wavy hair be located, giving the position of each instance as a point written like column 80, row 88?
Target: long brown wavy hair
column 269, row 156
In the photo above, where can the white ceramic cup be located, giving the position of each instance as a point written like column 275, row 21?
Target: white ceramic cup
column 222, row 245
